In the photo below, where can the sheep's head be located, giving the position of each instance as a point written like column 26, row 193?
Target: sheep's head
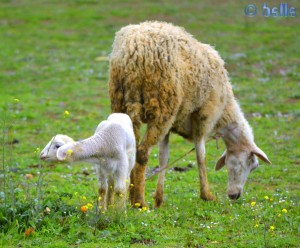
column 49, row 153
column 240, row 163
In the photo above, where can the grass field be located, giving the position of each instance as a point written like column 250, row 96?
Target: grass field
column 53, row 59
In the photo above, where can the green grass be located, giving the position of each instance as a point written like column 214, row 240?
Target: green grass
column 49, row 52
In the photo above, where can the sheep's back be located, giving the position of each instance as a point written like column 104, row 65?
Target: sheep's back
column 155, row 66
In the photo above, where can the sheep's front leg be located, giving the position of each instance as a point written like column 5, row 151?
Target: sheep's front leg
column 163, row 161
column 205, row 193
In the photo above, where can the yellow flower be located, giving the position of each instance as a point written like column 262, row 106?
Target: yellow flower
column 278, row 215
column 99, row 198
column 137, row 204
column 66, row 113
column 89, row 205
column 126, row 180
column 131, row 185
column 271, row 199
column 272, row 228
column 121, row 195
column 284, row 211
column 110, row 186
column 16, row 100
column 100, row 207
column 256, row 226
column 69, row 152
column 266, row 197
column 144, row 208
column 253, row 204
column 83, row 198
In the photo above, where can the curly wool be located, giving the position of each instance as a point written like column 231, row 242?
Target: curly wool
column 158, row 71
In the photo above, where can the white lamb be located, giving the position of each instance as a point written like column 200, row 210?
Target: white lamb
column 112, row 149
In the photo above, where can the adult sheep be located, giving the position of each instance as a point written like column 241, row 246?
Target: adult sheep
column 162, row 76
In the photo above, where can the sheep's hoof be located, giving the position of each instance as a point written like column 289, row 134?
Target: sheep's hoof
column 207, row 196
column 158, row 203
column 158, row 200
column 139, row 204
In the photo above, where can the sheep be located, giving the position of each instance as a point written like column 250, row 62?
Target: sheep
column 162, row 76
column 112, row 149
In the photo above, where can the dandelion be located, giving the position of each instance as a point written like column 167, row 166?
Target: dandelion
column 66, row 113
column 137, row 205
column 131, row 185
column 83, row 198
column 144, row 208
column 271, row 199
column 69, row 152
column 284, row 211
column 272, row 228
column 121, row 195
column 89, row 205
column 16, row 100
column 278, row 215
column 266, row 197
column 99, row 198
column 253, row 204
column 100, row 207
column 110, row 187
column 37, row 150
column 256, row 226
column 83, row 209
column 126, row 181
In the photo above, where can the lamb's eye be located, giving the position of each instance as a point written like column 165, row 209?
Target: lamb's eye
column 57, row 146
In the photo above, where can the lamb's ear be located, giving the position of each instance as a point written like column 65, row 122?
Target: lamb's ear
column 61, row 154
column 221, row 161
column 260, row 154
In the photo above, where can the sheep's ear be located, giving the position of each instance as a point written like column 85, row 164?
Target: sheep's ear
column 61, row 154
column 260, row 154
column 221, row 161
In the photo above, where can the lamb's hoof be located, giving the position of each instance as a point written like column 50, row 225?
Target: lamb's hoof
column 207, row 196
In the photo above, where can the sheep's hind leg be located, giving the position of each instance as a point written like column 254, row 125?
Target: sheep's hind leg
column 163, row 161
column 153, row 134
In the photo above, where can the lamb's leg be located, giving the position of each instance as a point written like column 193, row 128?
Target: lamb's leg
column 102, row 188
column 110, row 193
column 163, row 160
column 120, row 193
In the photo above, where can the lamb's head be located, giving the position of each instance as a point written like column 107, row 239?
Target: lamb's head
column 240, row 163
column 49, row 153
